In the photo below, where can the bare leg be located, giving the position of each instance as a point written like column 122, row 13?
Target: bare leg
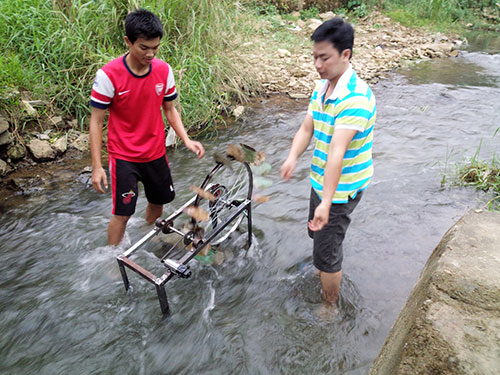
column 116, row 229
column 330, row 283
column 153, row 212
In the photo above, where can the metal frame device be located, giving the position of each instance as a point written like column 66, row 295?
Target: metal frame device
column 232, row 212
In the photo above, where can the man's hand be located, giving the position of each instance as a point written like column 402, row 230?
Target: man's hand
column 195, row 147
column 320, row 218
column 288, row 168
column 98, row 176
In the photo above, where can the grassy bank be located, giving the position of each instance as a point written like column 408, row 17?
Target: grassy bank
column 52, row 49
column 442, row 15
column 445, row 15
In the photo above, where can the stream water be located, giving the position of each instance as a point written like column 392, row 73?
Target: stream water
column 63, row 308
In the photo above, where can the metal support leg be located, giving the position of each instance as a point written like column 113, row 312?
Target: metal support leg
column 249, row 218
column 124, row 274
column 162, row 297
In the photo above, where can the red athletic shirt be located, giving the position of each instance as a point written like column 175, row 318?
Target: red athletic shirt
column 136, row 130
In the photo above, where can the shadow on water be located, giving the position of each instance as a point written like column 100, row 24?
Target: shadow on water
column 64, row 309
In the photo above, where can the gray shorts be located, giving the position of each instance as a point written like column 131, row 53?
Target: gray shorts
column 327, row 248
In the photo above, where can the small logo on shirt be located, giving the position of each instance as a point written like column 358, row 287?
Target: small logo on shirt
column 123, row 92
column 127, row 197
column 159, row 88
column 96, row 83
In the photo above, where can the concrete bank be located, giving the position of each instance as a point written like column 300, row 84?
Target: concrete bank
column 450, row 323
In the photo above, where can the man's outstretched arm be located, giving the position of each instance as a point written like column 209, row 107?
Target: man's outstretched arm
column 174, row 119
column 300, row 142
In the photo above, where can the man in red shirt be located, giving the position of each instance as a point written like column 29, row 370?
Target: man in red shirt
column 134, row 88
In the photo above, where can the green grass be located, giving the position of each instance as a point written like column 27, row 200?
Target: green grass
column 483, row 176
column 51, row 50
column 442, row 15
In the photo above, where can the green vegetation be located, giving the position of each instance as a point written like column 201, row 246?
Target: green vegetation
column 52, row 50
column 483, row 176
column 444, row 14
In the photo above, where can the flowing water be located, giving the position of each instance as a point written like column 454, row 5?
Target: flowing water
column 64, row 309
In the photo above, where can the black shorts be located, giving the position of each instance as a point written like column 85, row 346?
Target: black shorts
column 154, row 175
column 327, row 247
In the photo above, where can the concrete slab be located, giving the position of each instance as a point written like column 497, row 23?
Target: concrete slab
column 450, row 323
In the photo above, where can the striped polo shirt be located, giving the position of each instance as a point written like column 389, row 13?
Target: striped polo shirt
column 350, row 106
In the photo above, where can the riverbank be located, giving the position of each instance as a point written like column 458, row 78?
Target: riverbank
column 283, row 67
column 381, row 45
column 450, row 322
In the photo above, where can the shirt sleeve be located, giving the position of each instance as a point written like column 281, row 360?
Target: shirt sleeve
column 103, row 91
column 354, row 113
column 170, row 90
column 314, row 96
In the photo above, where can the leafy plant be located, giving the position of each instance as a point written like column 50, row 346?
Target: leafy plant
column 52, row 49
column 308, row 13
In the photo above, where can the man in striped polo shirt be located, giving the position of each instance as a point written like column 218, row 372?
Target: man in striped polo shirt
column 341, row 116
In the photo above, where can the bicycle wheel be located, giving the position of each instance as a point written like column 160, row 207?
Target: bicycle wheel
column 231, row 184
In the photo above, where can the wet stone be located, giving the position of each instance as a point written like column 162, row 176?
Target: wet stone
column 3, row 168
column 28, row 185
column 60, row 145
column 6, row 138
column 81, row 143
column 16, row 151
column 41, row 150
column 238, row 111
column 57, row 121
column 4, row 125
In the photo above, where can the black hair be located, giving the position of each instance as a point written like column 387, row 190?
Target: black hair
column 142, row 23
column 336, row 31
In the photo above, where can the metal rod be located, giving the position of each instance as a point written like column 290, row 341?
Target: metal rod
column 137, row 269
column 175, row 230
column 162, row 297
column 142, row 241
column 124, row 274
column 249, row 220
